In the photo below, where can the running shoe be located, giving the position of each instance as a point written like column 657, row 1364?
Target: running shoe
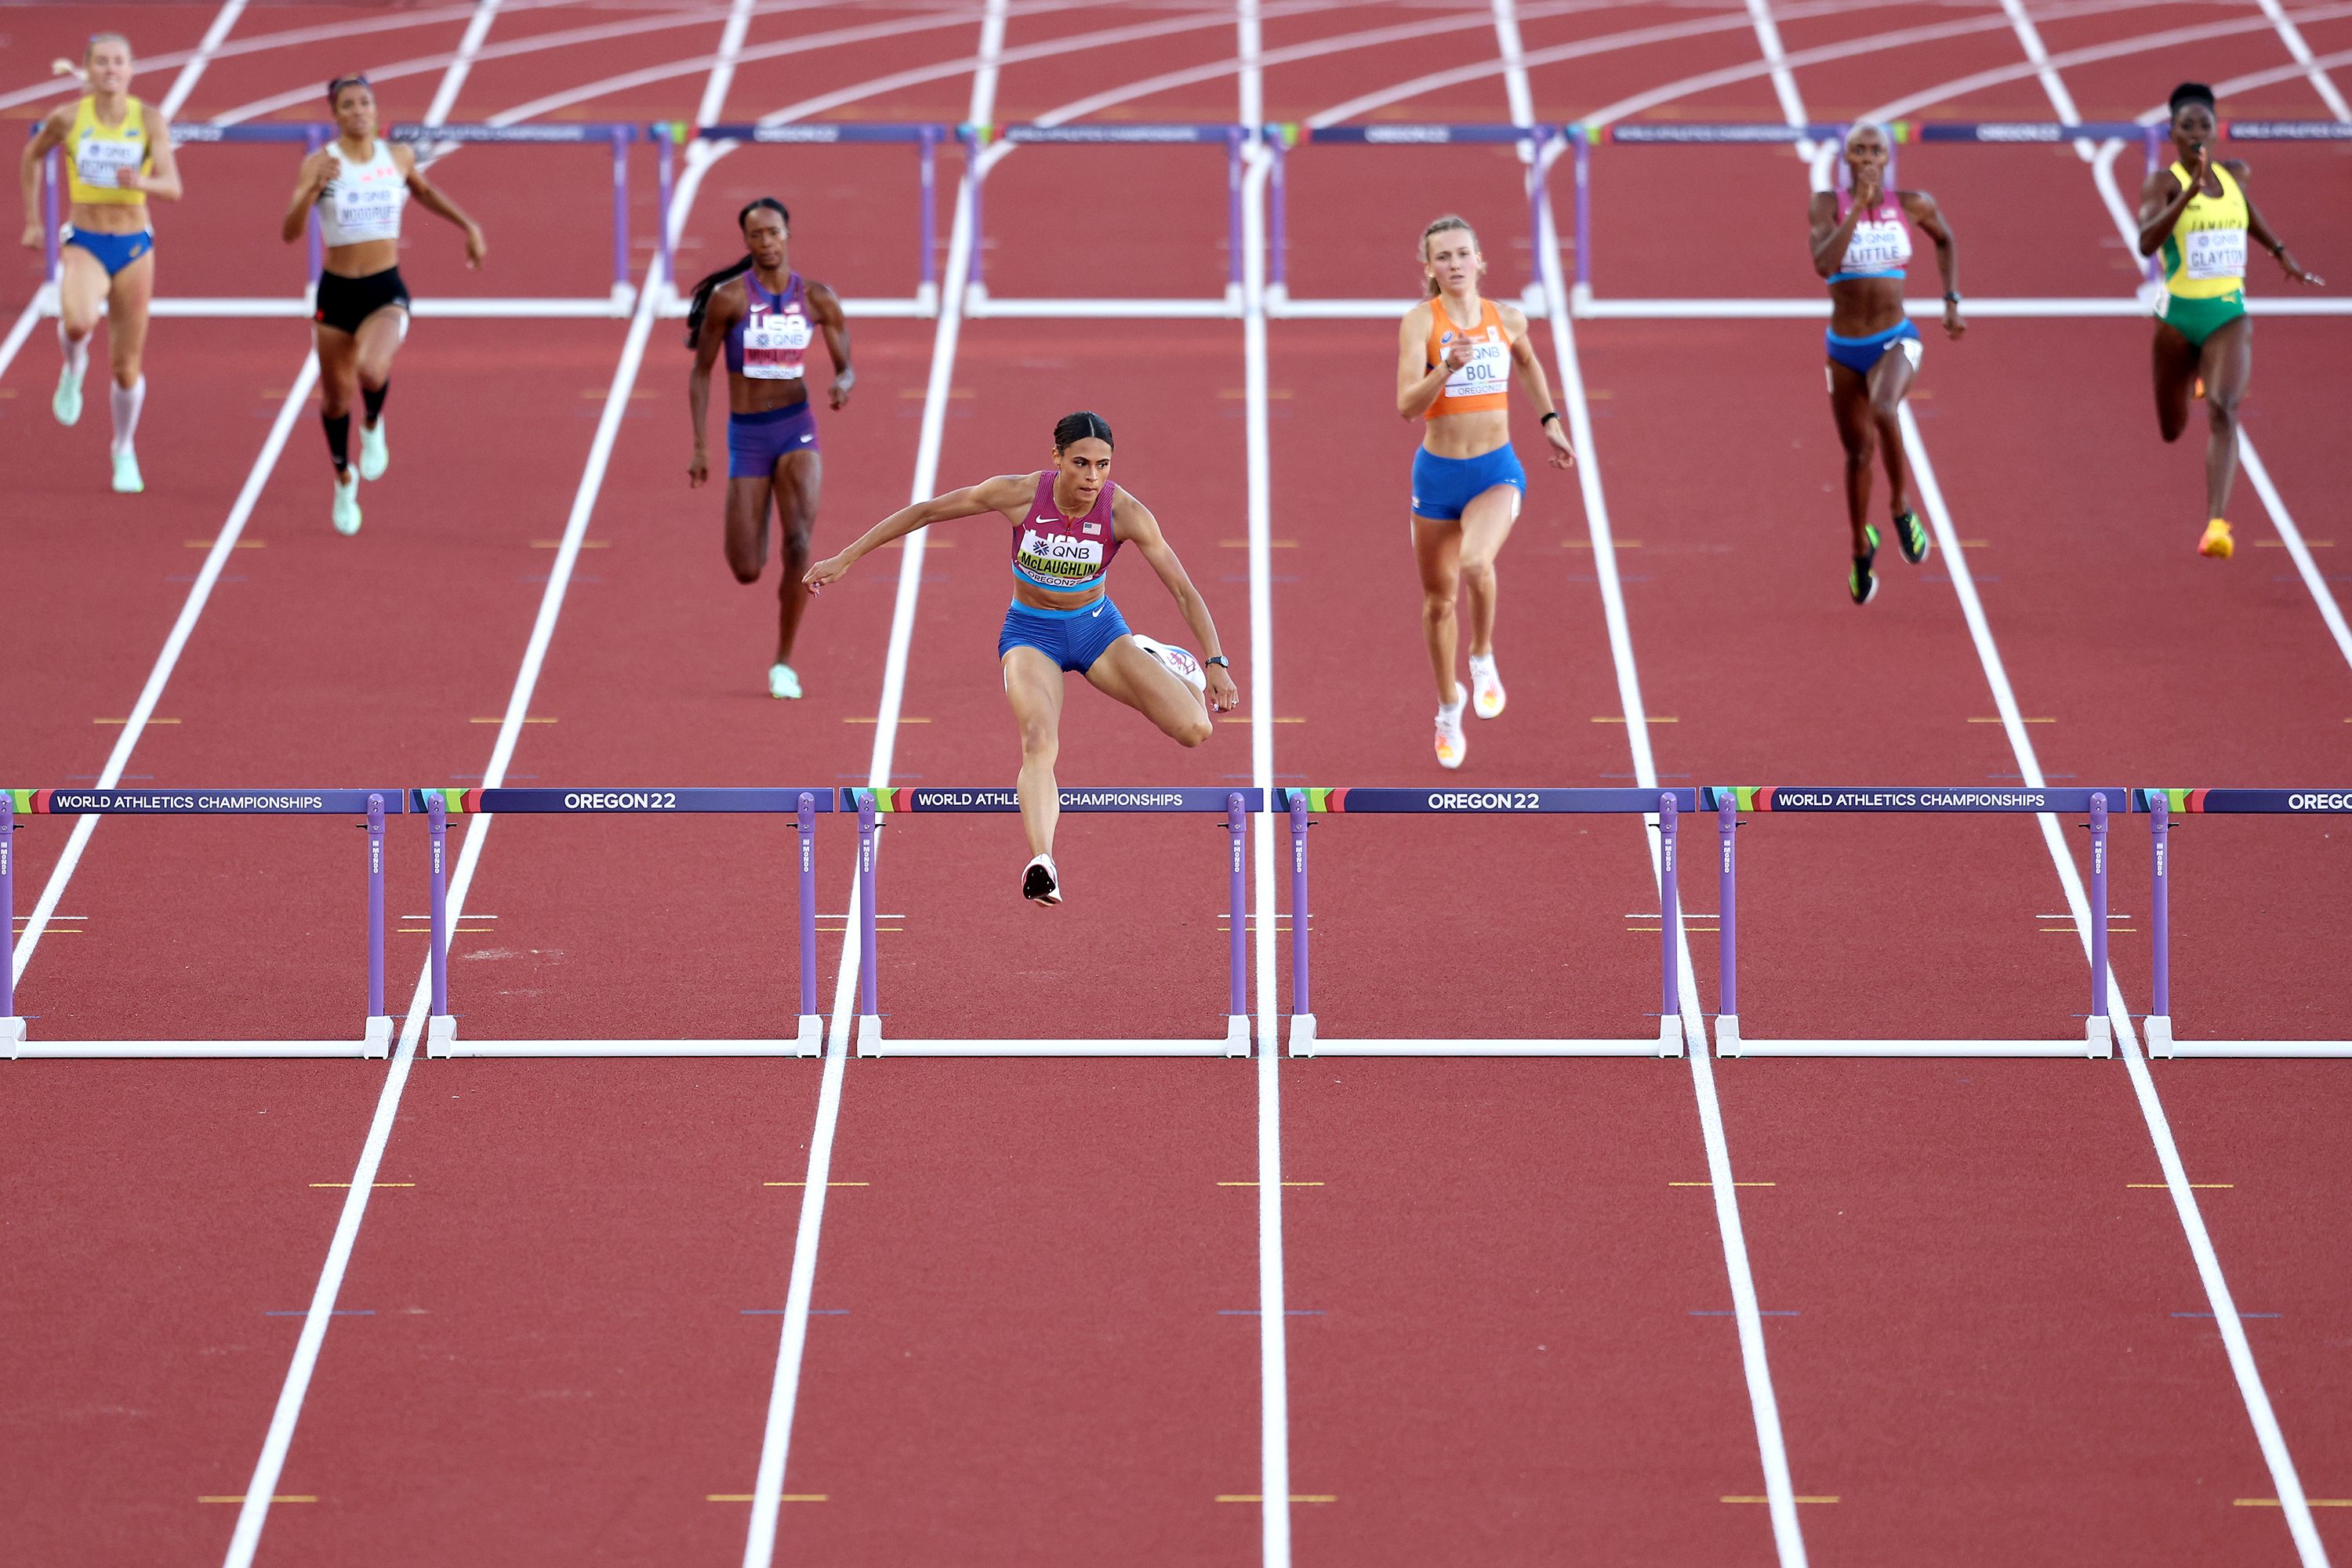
column 127, row 482
column 1485, row 687
column 376, row 452
column 2217, row 541
column 347, row 505
column 1179, row 662
column 1451, row 747
column 1040, row 882
column 781, row 682
column 1911, row 535
column 1861, row 580
column 66, row 403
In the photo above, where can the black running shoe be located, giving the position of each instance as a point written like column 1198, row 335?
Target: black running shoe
column 1860, row 581
column 1912, row 535
column 1040, row 881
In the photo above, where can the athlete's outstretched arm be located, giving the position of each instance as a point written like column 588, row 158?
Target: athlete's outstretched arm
column 429, row 196
column 1004, row 494
column 1133, row 522
column 826, row 306
column 1539, row 390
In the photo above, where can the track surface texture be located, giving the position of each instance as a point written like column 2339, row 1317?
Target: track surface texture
column 1329, row 1311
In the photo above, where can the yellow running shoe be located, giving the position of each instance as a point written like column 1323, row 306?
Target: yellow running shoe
column 2217, row 541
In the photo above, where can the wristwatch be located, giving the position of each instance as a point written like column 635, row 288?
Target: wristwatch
column 1951, row 299
column 1218, row 659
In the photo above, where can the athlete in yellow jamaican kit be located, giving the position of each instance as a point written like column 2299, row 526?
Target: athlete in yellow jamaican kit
column 117, row 153
column 2198, row 213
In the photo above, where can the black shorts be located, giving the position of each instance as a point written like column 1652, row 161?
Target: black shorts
column 345, row 302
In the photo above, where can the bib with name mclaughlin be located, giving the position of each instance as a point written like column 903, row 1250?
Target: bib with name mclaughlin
column 1064, row 553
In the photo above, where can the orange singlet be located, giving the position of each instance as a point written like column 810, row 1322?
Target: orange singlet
column 1482, row 386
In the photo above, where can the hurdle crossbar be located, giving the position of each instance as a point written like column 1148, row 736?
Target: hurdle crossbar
column 979, row 302
column 2160, row 804
column 1660, row 807
column 924, row 138
column 433, row 140
column 442, row 1039
column 1727, row 802
column 375, row 1034
column 873, row 805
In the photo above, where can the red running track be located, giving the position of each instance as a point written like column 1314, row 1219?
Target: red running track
column 1034, row 1344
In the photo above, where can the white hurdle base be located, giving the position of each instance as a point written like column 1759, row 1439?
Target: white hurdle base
column 2098, row 1040
column 1305, row 1042
column 2158, row 1030
column 374, row 1044
column 441, row 1040
column 871, row 1042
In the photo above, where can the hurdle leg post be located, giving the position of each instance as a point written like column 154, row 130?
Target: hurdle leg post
column 927, row 292
column 1580, row 295
column 2159, row 1011
column 810, row 1039
column 1277, row 235
column 378, row 1024
column 53, row 232
column 312, row 139
column 870, row 1015
column 1238, row 1037
column 1233, row 219
column 441, row 1028
column 974, row 285
column 2152, row 140
column 1302, row 991
column 12, row 1027
column 1670, row 931
column 1531, row 153
column 1726, row 940
column 623, row 295
column 665, row 165
column 2098, row 1031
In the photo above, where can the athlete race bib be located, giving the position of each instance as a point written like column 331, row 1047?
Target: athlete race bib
column 2216, row 253
column 773, row 345
column 1877, row 246
column 369, row 207
column 1488, row 371
column 1057, row 557
column 99, row 165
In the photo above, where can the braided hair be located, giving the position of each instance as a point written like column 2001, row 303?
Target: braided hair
column 1073, row 428
column 709, row 285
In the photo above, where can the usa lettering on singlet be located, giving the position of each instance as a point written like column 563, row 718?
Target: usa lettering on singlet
column 1488, row 369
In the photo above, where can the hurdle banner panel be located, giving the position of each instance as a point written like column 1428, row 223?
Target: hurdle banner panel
column 1306, row 1038
column 1730, row 801
column 373, row 806
column 874, row 806
column 442, row 1037
column 2161, row 806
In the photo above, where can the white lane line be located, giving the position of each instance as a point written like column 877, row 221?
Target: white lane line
column 453, row 80
column 2029, row 37
column 1272, row 1322
column 2292, row 36
column 253, row 1513
column 1775, row 62
column 2295, row 1508
column 783, row 1393
column 2292, row 537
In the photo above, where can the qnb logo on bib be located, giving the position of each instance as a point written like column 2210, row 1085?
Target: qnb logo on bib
column 99, row 163
column 773, row 345
column 1488, row 369
column 366, row 206
column 2217, row 252
column 1878, row 245
column 1057, row 555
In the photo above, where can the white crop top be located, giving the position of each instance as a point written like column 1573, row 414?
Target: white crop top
column 362, row 201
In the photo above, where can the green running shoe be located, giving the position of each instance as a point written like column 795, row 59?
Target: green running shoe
column 1911, row 535
column 1861, row 582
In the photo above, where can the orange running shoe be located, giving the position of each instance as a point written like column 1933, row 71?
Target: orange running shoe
column 1451, row 747
column 2217, row 541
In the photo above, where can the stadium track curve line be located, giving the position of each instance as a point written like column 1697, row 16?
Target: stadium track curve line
column 2293, row 1506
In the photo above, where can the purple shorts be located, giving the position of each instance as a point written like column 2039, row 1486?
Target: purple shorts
column 756, row 442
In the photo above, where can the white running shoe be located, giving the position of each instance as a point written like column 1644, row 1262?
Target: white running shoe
column 66, row 403
column 1179, row 662
column 375, row 453
column 1451, row 747
column 1485, row 687
column 127, row 482
column 782, row 682
column 347, row 505
column 1040, row 881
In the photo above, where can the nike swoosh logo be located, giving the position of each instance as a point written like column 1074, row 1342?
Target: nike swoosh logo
column 806, row 438
column 1097, row 612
